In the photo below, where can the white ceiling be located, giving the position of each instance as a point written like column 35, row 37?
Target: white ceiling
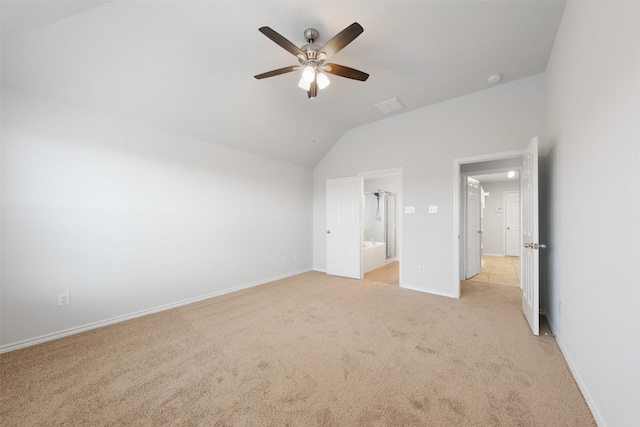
column 188, row 66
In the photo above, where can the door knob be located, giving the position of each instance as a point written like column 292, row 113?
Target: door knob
column 535, row 245
column 328, row 231
column 508, row 228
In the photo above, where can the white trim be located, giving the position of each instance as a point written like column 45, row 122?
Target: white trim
column 94, row 325
column 429, row 291
column 591, row 403
column 489, row 157
column 456, row 226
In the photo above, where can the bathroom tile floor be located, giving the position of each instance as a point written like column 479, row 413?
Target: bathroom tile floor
column 388, row 274
column 500, row 270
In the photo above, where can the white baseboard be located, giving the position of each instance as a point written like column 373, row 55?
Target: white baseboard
column 576, row 375
column 427, row 291
column 76, row 330
column 488, row 254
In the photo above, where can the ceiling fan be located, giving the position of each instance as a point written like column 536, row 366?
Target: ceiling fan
column 312, row 58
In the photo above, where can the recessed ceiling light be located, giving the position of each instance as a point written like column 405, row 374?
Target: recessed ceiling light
column 494, row 78
column 389, row 106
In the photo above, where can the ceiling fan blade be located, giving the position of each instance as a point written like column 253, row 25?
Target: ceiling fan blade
column 284, row 43
column 342, row 39
column 313, row 89
column 277, row 72
column 342, row 71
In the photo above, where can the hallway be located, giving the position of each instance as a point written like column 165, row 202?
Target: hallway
column 500, row 270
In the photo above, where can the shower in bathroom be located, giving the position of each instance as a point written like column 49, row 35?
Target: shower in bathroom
column 380, row 220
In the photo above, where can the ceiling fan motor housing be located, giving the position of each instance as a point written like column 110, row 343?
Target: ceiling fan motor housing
column 311, row 34
column 310, row 49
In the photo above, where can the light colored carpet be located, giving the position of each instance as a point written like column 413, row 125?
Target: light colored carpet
column 307, row 350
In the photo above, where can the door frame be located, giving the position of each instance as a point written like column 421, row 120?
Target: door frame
column 458, row 228
column 399, row 212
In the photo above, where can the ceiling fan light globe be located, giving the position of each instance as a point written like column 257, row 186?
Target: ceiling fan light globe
column 309, row 73
column 323, row 80
column 303, row 84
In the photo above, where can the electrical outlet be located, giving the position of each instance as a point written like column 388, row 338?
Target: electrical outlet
column 433, row 209
column 63, row 299
column 422, row 269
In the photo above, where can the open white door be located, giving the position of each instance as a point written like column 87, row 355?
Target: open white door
column 512, row 223
column 530, row 256
column 344, row 230
column 473, row 231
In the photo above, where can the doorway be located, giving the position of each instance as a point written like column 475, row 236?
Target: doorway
column 382, row 221
column 470, row 167
column 495, row 252
column 529, row 259
column 499, row 219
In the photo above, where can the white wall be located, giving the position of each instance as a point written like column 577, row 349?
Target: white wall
column 493, row 226
column 425, row 143
column 128, row 218
column 390, row 183
column 593, row 117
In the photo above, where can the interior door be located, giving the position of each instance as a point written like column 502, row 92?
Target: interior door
column 473, row 231
column 512, row 223
column 344, row 229
column 530, row 259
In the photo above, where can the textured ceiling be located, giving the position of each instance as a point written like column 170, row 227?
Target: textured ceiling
column 188, row 66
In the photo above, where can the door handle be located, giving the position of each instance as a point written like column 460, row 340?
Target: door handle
column 479, row 231
column 328, row 231
column 508, row 228
column 535, row 245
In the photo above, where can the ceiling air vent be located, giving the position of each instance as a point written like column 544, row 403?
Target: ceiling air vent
column 389, row 106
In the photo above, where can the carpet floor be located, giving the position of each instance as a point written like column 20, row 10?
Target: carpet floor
column 307, row 350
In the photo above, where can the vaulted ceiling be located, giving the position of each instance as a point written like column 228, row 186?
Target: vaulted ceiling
column 188, row 66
